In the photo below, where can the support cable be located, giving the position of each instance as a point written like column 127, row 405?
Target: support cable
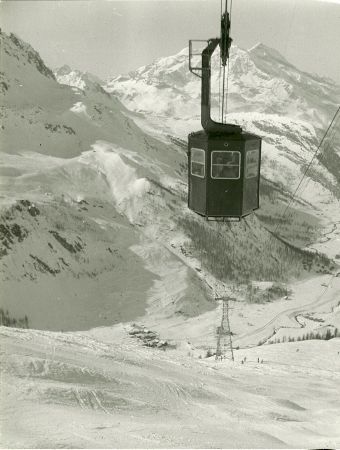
column 223, row 77
column 303, row 188
column 328, row 144
column 226, row 94
column 227, row 88
column 307, row 169
column 328, row 130
column 220, row 114
column 223, row 87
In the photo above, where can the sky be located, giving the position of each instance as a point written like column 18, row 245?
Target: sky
column 108, row 37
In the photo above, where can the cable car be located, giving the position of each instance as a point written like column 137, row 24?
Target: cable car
column 223, row 160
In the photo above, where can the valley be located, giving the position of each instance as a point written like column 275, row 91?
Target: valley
column 97, row 240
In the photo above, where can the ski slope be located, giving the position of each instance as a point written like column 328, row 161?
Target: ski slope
column 83, row 391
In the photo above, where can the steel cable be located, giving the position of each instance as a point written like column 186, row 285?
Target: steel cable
column 307, row 169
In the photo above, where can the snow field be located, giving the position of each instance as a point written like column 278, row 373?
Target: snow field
column 119, row 394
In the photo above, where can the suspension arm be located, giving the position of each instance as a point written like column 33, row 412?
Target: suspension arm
column 209, row 125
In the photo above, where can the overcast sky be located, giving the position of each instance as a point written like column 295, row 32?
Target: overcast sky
column 112, row 37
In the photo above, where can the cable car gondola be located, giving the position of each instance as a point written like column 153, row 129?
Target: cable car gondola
column 223, row 160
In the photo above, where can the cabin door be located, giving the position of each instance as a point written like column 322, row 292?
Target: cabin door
column 197, row 180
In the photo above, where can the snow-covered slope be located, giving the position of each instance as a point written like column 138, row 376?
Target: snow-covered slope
column 101, row 391
column 76, row 78
column 41, row 115
column 70, row 202
column 260, row 80
column 267, row 95
column 119, row 178
column 289, row 108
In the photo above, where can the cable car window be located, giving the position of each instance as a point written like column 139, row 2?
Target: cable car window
column 225, row 165
column 198, row 162
column 252, row 163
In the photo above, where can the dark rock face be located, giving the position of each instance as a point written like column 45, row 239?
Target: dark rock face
column 72, row 248
column 10, row 232
column 32, row 56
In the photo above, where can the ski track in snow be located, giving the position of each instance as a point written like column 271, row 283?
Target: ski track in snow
column 120, row 394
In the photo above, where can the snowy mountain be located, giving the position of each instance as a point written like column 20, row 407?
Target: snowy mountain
column 96, row 235
column 260, row 80
column 77, row 154
column 57, row 160
column 41, row 115
column 76, row 78
column 268, row 96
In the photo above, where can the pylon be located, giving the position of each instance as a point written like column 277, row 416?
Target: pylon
column 224, row 339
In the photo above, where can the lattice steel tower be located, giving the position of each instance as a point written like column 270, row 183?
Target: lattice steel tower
column 224, row 341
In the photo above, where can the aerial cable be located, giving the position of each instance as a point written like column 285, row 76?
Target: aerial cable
column 331, row 138
column 329, row 143
column 219, row 78
column 307, row 168
column 226, row 94
column 227, row 85
column 219, row 92
column 327, row 146
column 332, row 131
column 227, row 90
column 223, row 76
column 223, row 88
column 302, row 190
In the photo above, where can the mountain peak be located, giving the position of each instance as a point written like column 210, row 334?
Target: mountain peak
column 12, row 45
column 262, row 50
column 77, row 78
column 63, row 70
column 258, row 45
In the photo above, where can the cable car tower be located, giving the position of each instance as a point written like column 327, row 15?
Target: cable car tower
column 224, row 161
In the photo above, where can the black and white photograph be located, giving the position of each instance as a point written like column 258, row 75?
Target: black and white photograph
column 170, row 224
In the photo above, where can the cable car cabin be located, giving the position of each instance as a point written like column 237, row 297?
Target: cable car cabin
column 224, row 161
column 224, row 174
